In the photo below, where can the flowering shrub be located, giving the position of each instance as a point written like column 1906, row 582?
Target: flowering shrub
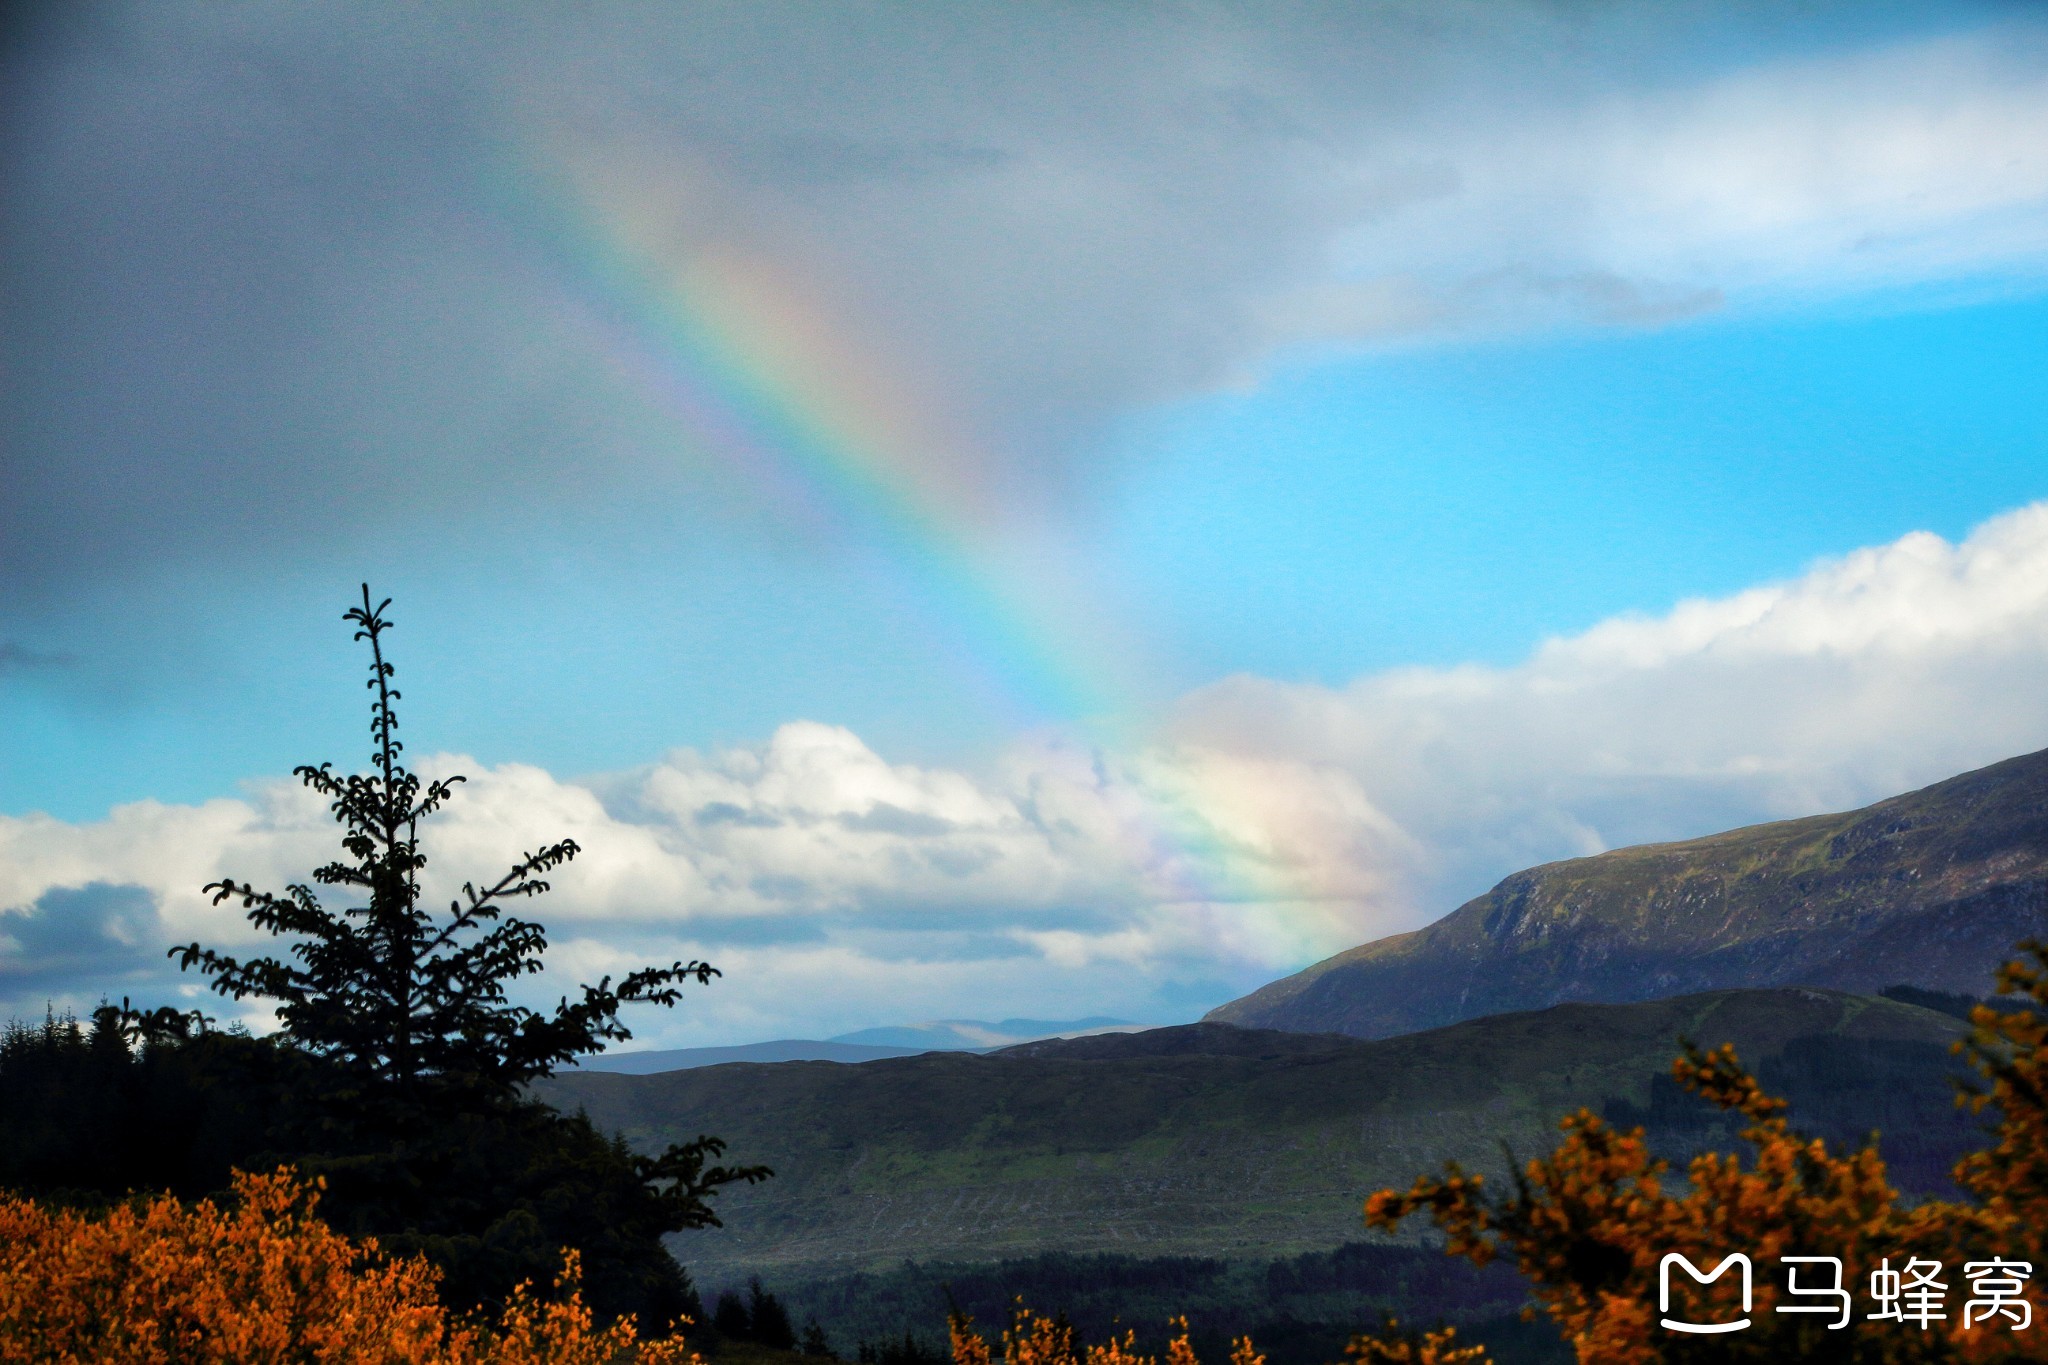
column 264, row 1281
column 1033, row 1339
column 1431, row 1348
column 1592, row 1224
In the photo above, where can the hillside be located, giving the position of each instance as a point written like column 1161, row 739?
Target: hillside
column 659, row 1060
column 1208, row 1139
column 1931, row 888
column 868, row 1045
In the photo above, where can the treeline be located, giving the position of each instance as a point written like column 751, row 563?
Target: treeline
column 761, row 1319
column 1301, row 1310
column 90, row 1113
column 1953, row 1003
column 1842, row 1090
column 87, row 1119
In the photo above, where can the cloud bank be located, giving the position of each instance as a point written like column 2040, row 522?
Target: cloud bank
column 1886, row 669
column 1268, row 824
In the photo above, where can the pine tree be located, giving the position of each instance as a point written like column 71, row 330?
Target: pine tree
column 730, row 1318
column 413, row 1005
column 768, row 1320
column 401, row 1066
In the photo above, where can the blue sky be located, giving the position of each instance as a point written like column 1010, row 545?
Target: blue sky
column 1463, row 503
column 1447, row 504
column 1366, row 450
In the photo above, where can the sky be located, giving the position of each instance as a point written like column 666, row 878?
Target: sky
column 982, row 511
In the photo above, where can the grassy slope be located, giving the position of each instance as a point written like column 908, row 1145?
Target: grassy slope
column 1205, row 1140
column 1931, row 888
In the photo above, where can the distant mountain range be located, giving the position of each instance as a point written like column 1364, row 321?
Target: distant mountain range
column 1218, row 1141
column 975, row 1035
column 1932, row 889
column 654, row 1062
column 866, row 1045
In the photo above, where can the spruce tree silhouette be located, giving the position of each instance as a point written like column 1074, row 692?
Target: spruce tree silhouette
column 409, row 1090
column 414, row 1006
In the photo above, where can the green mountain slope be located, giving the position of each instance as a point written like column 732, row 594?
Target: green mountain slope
column 1205, row 1140
column 1931, row 888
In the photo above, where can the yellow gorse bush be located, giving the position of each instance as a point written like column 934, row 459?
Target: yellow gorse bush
column 263, row 1281
column 1034, row 1339
column 1590, row 1223
column 1432, row 1348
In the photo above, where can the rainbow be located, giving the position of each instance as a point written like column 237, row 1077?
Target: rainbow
column 746, row 354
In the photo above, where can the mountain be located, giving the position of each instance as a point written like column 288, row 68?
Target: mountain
column 781, row 1050
column 1218, row 1141
column 969, row 1035
column 1932, row 889
column 868, row 1045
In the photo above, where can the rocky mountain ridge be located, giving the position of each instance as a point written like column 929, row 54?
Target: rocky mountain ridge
column 1932, row 888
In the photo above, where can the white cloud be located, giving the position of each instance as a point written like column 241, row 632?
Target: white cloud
column 829, row 883
column 1638, row 203
column 171, row 850
column 1886, row 669
column 1272, row 823
column 1912, row 160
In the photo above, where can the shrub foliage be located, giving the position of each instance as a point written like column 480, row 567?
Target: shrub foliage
column 1590, row 1223
column 262, row 1281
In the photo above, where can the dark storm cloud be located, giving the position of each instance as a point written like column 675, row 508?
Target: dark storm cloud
column 263, row 294
column 253, row 301
column 82, row 944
